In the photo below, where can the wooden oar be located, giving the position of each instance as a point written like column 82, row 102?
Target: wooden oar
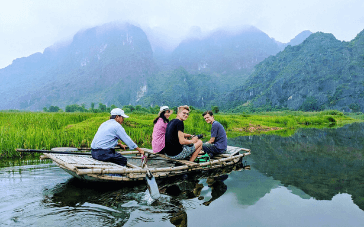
column 83, row 153
column 88, row 148
column 52, row 152
column 151, row 183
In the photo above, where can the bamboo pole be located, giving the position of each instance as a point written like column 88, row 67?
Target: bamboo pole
column 231, row 147
column 153, row 170
column 52, row 152
column 88, row 148
column 42, row 157
column 128, row 152
column 132, row 166
column 222, row 160
column 97, row 166
column 127, row 170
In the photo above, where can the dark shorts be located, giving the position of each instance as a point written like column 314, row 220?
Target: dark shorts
column 211, row 149
column 109, row 156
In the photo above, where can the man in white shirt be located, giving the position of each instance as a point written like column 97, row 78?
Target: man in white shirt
column 107, row 136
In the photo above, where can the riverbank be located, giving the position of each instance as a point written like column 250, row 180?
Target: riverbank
column 35, row 130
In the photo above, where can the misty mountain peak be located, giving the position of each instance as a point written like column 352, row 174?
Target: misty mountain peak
column 321, row 37
column 300, row 38
column 195, row 32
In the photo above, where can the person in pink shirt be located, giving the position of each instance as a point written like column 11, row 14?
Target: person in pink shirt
column 159, row 130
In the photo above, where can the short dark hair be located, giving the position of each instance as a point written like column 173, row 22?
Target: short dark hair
column 209, row 112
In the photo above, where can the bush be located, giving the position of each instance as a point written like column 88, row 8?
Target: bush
column 332, row 112
column 215, row 109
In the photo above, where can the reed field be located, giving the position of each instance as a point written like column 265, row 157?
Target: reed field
column 38, row 130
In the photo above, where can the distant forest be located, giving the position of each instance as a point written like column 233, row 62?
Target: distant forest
column 102, row 108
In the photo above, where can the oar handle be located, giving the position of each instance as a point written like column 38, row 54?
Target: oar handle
column 51, row 152
column 144, row 161
column 88, row 149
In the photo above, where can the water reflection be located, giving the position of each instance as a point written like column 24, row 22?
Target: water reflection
column 322, row 163
column 22, row 161
column 312, row 178
column 118, row 204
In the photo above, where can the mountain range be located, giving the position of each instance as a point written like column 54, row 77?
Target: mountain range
column 107, row 64
column 320, row 73
column 117, row 64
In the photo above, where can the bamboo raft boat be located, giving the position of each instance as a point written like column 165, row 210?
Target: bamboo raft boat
column 86, row 168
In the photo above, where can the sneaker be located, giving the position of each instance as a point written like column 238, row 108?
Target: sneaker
column 203, row 158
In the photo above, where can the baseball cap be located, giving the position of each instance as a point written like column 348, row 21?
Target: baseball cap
column 119, row 112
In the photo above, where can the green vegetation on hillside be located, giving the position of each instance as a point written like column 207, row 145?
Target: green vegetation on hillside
column 31, row 130
column 320, row 73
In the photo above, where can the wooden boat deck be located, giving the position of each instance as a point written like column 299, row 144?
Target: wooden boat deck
column 85, row 167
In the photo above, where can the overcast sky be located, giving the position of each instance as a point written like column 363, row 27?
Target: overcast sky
column 29, row 26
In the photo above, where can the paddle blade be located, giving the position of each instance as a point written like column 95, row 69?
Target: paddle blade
column 152, row 187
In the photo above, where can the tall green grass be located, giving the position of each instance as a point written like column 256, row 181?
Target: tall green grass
column 35, row 130
column 47, row 130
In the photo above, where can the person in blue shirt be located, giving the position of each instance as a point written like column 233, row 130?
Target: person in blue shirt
column 218, row 141
column 107, row 137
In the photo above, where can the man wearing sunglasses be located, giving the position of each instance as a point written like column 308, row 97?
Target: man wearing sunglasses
column 177, row 144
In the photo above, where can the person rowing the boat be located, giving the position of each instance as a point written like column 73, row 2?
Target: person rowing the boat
column 177, row 144
column 107, row 136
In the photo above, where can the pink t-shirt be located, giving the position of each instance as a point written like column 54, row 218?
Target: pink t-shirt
column 159, row 136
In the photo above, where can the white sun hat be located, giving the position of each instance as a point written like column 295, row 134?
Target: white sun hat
column 119, row 112
column 163, row 108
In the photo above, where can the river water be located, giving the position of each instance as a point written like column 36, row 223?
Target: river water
column 313, row 178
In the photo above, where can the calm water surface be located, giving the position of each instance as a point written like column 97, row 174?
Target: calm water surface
column 313, row 178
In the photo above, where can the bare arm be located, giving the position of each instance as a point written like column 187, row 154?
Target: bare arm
column 212, row 140
column 182, row 139
column 187, row 135
column 140, row 150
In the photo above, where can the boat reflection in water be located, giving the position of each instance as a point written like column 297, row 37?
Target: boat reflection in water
column 118, row 204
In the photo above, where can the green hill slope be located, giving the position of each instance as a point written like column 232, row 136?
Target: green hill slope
column 320, row 73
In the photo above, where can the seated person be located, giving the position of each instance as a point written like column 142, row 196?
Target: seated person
column 107, row 136
column 177, row 144
column 159, row 130
column 218, row 142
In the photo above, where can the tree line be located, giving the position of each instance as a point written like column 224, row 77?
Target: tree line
column 102, row 108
